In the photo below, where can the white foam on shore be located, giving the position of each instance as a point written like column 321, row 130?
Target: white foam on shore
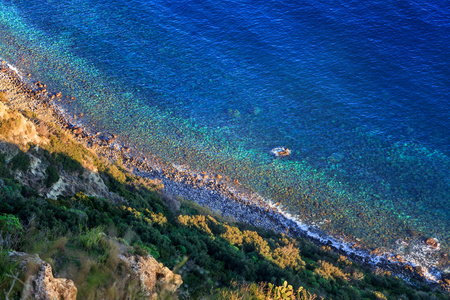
column 419, row 258
column 431, row 274
column 15, row 70
column 12, row 67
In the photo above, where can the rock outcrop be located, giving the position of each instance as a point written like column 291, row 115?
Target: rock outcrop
column 40, row 283
column 153, row 276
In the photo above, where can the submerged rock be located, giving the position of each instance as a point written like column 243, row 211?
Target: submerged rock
column 336, row 157
column 432, row 242
column 280, row 151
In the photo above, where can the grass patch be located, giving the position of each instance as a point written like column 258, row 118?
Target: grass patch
column 92, row 239
column 8, row 267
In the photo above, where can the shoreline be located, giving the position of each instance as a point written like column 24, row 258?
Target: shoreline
column 213, row 192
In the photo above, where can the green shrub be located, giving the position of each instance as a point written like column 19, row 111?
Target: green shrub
column 233, row 235
column 11, row 232
column 69, row 164
column 21, row 161
column 143, row 250
column 10, row 224
column 82, row 216
column 52, row 175
column 198, row 222
column 329, row 271
column 4, row 170
column 116, row 173
column 288, row 256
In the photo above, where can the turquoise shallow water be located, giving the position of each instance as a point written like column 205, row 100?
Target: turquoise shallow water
column 358, row 91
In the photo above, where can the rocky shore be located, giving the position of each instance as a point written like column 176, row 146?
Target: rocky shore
column 209, row 190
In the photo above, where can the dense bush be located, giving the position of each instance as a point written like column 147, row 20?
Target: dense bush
column 4, row 169
column 52, row 175
column 20, row 161
column 10, row 224
column 68, row 164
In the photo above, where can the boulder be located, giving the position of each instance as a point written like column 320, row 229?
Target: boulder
column 152, row 275
column 77, row 130
column 432, row 242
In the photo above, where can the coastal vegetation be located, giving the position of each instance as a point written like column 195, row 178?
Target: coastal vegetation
column 81, row 231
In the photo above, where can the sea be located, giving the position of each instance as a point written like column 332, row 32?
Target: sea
column 359, row 91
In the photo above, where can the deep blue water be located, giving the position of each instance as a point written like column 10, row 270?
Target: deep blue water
column 359, row 90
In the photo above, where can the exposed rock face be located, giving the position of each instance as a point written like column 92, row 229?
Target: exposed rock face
column 70, row 184
column 152, row 274
column 42, row 285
